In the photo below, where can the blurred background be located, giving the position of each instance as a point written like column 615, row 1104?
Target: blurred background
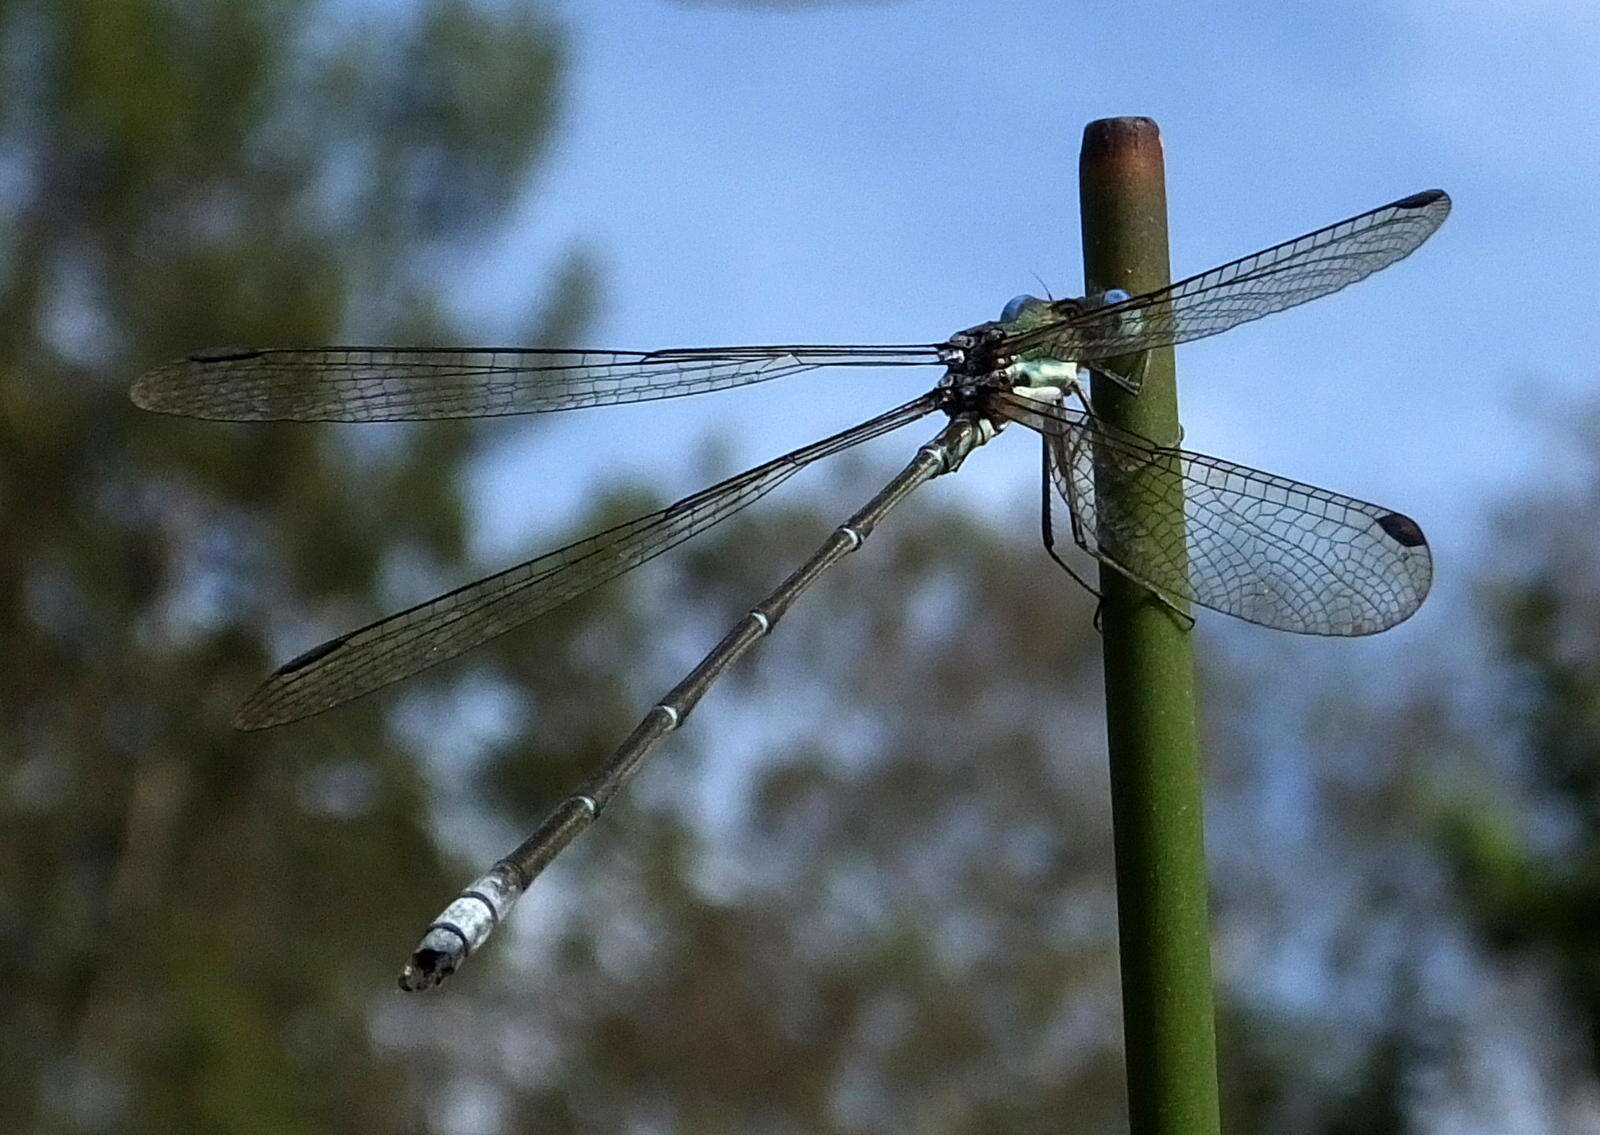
column 869, row 887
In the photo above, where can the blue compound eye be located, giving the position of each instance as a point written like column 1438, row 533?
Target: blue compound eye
column 1015, row 307
column 1111, row 296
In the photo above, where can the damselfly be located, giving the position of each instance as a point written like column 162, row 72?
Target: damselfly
column 1250, row 544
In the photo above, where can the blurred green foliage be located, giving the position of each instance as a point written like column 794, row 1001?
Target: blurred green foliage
column 187, row 915
column 1524, row 835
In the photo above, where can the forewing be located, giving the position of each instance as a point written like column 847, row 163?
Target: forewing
column 413, row 640
column 1247, row 543
column 377, row 384
column 1276, row 278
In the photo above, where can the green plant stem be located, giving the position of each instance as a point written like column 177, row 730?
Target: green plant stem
column 1157, row 810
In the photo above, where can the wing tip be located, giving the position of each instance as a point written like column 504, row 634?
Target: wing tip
column 266, row 708
column 1418, row 559
column 164, row 390
column 257, row 712
column 1402, row 530
column 307, row 657
column 168, row 389
column 142, row 392
column 1424, row 200
column 246, row 721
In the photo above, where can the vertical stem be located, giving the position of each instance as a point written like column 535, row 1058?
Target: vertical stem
column 1149, row 673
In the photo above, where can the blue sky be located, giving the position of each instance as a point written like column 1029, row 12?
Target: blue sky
column 896, row 171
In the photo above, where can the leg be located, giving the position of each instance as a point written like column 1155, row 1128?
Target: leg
column 1131, row 383
column 1047, row 524
column 1171, row 605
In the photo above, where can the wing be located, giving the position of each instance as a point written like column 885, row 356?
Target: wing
column 1250, row 544
column 1276, row 278
column 413, row 640
column 381, row 384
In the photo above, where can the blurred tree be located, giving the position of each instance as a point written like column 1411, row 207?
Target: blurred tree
column 1327, row 891
column 1524, row 835
column 188, row 916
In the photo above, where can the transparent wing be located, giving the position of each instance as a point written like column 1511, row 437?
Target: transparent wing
column 1249, row 544
column 380, row 384
column 413, row 640
column 1276, row 278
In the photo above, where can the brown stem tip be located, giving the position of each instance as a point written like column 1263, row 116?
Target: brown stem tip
column 1129, row 140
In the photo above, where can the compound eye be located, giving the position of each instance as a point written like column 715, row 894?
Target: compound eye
column 1111, row 296
column 1016, row 306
